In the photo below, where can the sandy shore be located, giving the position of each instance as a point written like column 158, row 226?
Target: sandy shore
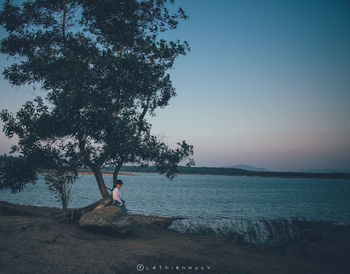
column 34, row 241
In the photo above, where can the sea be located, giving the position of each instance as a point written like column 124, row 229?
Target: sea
column 209, row 196
column 210, row 199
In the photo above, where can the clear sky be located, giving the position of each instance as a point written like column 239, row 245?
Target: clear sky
column 267, row 83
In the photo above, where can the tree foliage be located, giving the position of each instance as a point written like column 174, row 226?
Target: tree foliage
column 104, row 67
column 15, row 172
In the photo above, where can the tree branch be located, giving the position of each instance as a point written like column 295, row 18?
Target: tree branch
column 143, row 114
column 71, row 6
column 64, row 22
column 115, row 173
column 86, row 158
column 120, row 50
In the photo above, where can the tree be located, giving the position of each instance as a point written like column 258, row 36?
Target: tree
column 104, row 67
column 60, row 169
column 61, row 183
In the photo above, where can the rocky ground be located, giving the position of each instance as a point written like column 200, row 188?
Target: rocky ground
column 34, row 240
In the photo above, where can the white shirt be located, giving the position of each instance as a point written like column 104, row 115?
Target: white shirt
column 117, row 195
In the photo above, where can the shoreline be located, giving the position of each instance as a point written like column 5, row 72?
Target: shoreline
column 136, row 173
column 321, row 177
column 242, row 173
column 34, row 241
column 234, row 172
column 105, row 173
column 347, row 177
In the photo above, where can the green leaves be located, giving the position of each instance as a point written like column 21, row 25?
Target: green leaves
column 15, row 173
column 11, row 18
column 104, row 68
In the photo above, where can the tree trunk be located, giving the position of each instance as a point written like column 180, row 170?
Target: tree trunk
column 115, row 175
column 100, row 182
column 96, row 169
column 73, row 215
column 115, row 178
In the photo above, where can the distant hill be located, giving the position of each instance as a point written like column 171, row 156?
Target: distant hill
column 247, row 167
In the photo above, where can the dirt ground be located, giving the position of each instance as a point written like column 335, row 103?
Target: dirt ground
column 32, row 240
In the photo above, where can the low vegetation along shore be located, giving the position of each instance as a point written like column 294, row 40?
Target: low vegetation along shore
column 36, row 240
column 240, row 172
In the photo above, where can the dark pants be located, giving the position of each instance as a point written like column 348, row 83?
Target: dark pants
column 122, row 207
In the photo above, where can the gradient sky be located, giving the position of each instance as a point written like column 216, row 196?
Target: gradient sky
column 267, row 83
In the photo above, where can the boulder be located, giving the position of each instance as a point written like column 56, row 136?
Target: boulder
column 110, row 219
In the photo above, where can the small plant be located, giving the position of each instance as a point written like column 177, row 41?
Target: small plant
column 61, row 183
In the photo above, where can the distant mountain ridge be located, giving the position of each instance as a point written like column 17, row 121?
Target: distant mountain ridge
column 247, row 167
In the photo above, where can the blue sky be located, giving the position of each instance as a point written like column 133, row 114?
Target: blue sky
column 267, row 83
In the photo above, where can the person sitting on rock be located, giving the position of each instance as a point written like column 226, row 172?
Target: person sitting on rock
column 117, row 196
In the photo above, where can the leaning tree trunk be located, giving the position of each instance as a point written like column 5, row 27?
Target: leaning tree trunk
column 100, row 182
column 73, row 215
column 115, row 174
column 95, row 168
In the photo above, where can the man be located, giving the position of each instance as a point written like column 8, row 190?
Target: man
column 117, row 196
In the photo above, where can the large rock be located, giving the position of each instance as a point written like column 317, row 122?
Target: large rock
column 110, row 218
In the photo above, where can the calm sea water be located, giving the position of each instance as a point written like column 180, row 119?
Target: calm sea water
column 201, row 197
